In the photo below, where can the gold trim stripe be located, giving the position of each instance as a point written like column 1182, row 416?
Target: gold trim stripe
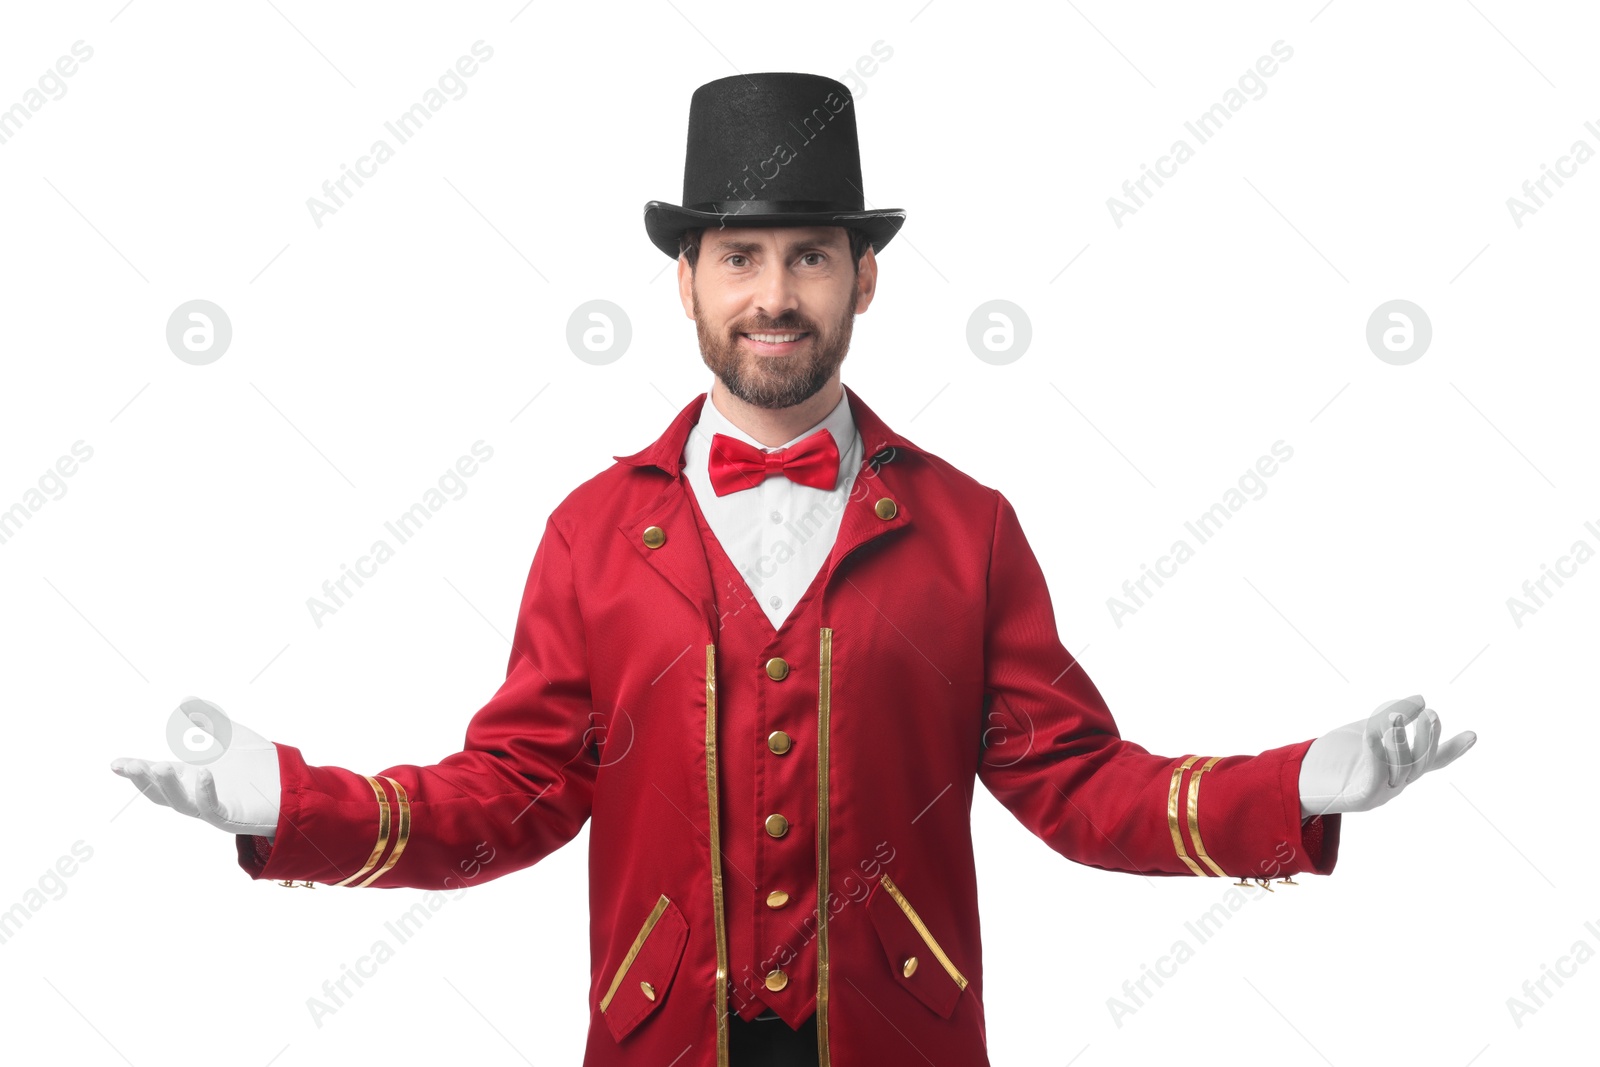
column 1172, row 816
column 716, row 856
column 1194, row 820
column 824, row 711
column 404, row 803
column 633, row 950
column 922, row 928
column 383, row 833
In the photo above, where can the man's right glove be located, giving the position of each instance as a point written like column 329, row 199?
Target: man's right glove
column 228, row 776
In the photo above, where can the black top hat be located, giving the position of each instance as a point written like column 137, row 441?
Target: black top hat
column 771, row 150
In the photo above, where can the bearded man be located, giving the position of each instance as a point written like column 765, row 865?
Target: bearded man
column 769, row 655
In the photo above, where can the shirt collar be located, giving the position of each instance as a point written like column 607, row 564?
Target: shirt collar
column 838, row 422
column 666, row 452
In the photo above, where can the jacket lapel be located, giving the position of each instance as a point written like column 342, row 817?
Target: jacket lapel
column 681, row 557
column 878, row 483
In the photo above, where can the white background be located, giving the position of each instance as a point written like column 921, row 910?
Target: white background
column 430, row 312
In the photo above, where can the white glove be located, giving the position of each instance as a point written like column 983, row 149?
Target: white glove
column 1367, row 763
column 227, row 775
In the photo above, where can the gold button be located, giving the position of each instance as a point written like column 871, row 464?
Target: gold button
column 776, row 980
column 910, row 967
column 777, row 825
column 779, row 742
column 649, row 990
column 885, row 508
column 655, row 536
column 777, row 898
column 777, row 668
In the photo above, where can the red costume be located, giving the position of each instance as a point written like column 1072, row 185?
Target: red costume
column 782, row 818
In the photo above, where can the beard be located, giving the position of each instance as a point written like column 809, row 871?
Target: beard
column 774, row 381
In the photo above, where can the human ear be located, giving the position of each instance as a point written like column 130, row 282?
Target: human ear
column 686, row 285
column 866, row 281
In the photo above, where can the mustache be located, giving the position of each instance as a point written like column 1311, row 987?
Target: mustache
column 782, row 324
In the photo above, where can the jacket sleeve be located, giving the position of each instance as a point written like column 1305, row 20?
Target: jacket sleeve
column 1053, row 756
column 522, row 785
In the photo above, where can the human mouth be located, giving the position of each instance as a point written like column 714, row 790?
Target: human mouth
column 775, row 343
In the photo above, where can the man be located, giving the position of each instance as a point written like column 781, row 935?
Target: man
column 768, row 655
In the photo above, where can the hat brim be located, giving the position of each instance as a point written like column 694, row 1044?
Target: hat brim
column 664, row 223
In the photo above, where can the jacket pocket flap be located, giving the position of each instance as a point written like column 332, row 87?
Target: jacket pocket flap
column 919, row 962
column 641, row 980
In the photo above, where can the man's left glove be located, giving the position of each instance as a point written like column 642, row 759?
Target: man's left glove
column 1364, row 764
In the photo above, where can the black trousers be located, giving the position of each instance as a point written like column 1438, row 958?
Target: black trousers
column 771, row 1043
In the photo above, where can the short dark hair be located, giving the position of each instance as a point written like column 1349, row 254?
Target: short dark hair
column 860, row 241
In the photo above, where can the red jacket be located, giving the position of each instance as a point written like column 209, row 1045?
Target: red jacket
column 609, row 711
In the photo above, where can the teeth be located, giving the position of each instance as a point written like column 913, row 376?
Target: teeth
column 774, row 338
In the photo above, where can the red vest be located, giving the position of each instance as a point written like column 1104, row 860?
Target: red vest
column 767, row 722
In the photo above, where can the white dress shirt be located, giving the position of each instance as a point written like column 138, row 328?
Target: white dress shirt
column 777, row 533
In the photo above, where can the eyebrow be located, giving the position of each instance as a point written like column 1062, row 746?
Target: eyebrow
column 725, row 247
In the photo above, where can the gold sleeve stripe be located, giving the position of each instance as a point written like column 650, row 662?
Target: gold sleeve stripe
column 1194, row 815
column 403, row 802
column 1172, row 816
column 383, row 832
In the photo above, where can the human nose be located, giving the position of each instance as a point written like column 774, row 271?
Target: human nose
column 776, row 294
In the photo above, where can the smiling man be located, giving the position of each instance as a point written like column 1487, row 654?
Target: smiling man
column 769, row 656
column 821, row 277
column 774, row 309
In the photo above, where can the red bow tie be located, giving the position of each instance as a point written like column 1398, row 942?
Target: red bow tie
column 737, row 465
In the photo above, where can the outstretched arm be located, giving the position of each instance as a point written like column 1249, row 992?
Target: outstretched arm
column 523, row 783
column 1053, row 755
